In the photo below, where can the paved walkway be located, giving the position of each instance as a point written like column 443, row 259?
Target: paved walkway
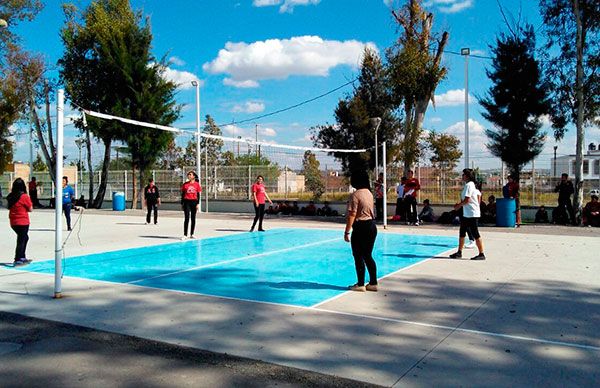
column 526, row 316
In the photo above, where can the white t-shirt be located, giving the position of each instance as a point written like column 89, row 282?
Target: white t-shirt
column 471, row 209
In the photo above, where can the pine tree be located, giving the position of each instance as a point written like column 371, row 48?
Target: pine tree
column 516, row 100
column 312, row 174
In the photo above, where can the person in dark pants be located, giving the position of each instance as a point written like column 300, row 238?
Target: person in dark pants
column 19, row 205
column 33, row 194
column 259, row 194
column 67, row 200
column 152, row 201
column 379, row 187
column 361, row 219
column 190, row 201
column 565, row 189
column 411, row 190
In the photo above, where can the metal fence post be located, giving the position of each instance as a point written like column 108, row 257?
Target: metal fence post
column 286, row 183
column 249, row 182
column 215, row 181
column 125, row 184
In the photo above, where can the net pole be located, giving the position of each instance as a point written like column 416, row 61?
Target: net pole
column 384, row 161
column 198, row 163
column 206, row 177
column 58, row 194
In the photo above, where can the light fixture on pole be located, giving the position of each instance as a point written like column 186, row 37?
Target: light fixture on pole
column 466, row 52
column 375, row 123
column 196, row 84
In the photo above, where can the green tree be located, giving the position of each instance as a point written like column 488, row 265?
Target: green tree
column 414, row 72
column 172, row 158
column 38, row 164
column 353, row 114
column 312, row 174
column 572, row 68
column 445, row 154
column 212, row 146
column 516, row 101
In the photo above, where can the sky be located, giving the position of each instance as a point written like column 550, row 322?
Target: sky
column 253, row 57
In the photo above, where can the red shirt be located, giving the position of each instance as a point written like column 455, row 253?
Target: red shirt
column 259, row 190
column 18, row 214
column 411, row 187
column 191, row 190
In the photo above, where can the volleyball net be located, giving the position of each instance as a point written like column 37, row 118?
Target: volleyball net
column 229, row 166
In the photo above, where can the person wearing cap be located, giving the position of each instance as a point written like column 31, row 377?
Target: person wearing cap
column 591, row 211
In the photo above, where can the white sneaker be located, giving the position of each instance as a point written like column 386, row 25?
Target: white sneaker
column 184, row 238
column 470, row 245
column 192, row 237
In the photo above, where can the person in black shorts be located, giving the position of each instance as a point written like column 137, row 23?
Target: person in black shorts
column 470, row 198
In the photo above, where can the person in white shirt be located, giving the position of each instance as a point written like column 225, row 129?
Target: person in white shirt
column 470, row 198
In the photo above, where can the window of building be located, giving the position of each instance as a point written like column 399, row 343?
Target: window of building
column 573, row 168
column 586, row 167
column 597, row 167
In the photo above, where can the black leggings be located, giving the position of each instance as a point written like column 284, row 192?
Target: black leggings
column 189, row 210
column 362, row 242
column 152, row 207
column 22, row 239
column 67, row 211
column 410, row 204
column 259, row 215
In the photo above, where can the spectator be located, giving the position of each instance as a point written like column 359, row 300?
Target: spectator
column 379, row 187
column 427, row 212
column 411, row 189
column 287, row 208
column 541, row 216
column 565, row 207
column 33, row 194
column 489, row 216
column 400, row 208
column 294, row 209
column 310, row 209
column 591, row 211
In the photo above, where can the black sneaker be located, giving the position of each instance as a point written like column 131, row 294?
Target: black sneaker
column 456, row 255
column 480, row 256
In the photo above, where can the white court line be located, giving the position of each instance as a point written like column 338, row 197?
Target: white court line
column 235, row 260
column 383, row 277
column 470, row 331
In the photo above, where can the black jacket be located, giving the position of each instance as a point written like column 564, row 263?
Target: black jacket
column 151, row 194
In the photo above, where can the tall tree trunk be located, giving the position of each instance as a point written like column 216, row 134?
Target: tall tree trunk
column 88, row 144
column 578, row 195
column 104, row 175
column 49, row 155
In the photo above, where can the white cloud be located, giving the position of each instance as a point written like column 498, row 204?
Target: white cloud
column 266, row 131
column 388, row 3
column 248, row 63
column 435, row 120
column 248, row 107
column 449, row 6
column 287, row 5
column 454, row 97
column 183, row 79
column 176, row 61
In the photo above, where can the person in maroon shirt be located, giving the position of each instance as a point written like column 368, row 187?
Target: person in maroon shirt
column 19, row 205
column 259, row 194
column 411, row 188
column 190, row 201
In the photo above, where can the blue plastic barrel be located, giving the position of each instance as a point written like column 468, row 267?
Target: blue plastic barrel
column 118, row 201
column 506, row 212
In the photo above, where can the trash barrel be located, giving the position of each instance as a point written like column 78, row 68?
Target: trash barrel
column 506, row 212
column 118, row 201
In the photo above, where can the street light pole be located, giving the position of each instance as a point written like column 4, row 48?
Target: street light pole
column 466, row 52
column 555, row 148
column 196, row 84
column 375, row 123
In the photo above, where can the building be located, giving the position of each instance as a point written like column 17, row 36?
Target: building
column 591, row 164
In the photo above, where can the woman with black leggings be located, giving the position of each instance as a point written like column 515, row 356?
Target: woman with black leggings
column 259, row 194
column 361, row 219
column 19, row 207
column 190, row 201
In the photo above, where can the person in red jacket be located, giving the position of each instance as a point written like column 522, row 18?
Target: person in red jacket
column 19, row 205
column 411, row 189
column 190, row 201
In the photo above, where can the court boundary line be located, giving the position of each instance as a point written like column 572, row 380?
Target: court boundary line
column 343, row 313
column 235, row 260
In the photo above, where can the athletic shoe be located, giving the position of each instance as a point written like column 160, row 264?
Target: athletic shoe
column 480, row 256
column 192, row 237
column 456, row 255
column 261, row 230
column 251, row 230
column 184, row 238
column 145, row 223
column 470, row 244
column 20, row 262
column 358, row 288
column 371, row 287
